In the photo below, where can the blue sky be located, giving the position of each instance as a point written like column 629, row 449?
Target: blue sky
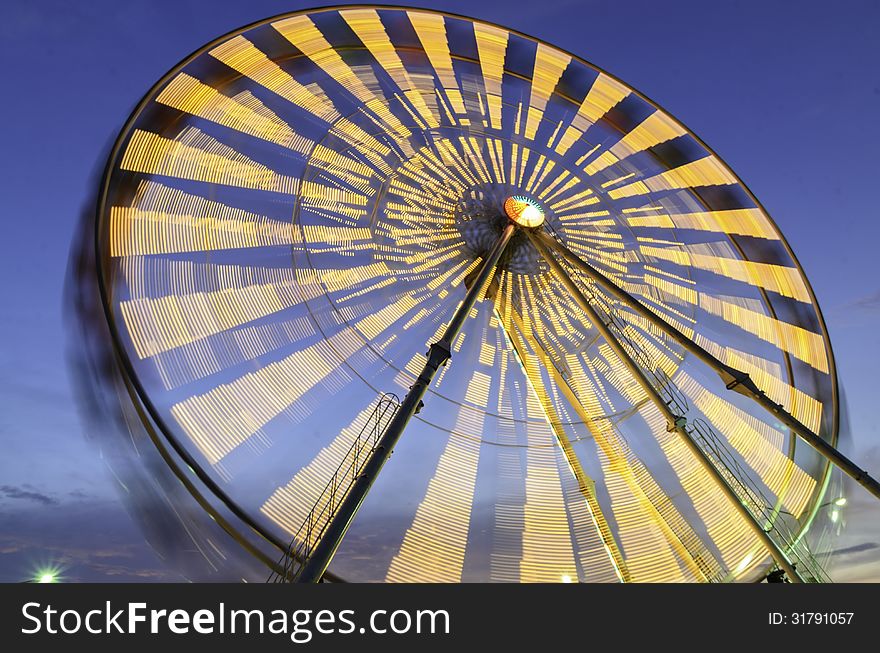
column 787, row 93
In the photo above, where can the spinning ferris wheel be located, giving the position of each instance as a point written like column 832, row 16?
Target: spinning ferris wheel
column 344, row 233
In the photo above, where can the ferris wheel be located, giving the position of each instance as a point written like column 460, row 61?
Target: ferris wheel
column 339, row 234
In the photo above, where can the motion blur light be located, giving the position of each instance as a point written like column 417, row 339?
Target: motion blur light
column 399, row 205
column 524, row 211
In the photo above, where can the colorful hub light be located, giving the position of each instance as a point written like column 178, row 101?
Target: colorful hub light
column 524, row 211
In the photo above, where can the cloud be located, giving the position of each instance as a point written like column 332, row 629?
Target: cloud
column 11, row 492
column 868, row 302
column 855, row 548
column 92, row 541
column 97, row 540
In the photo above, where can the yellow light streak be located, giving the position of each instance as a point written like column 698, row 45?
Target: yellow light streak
column 428, row 553
column 240, row 54
column 655, row 129
column 164, row 220
column 431, row 30
column 787, row 281
column 195, row 155
column 305, row 36
column 549, row 66
column 369, row 29
column 243, row 112
column 492, row 46
column 708, row 171
column 800, row 343
column 759, row 444
column 604, row 94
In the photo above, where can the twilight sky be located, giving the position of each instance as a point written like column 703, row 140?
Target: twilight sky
column 786, row 93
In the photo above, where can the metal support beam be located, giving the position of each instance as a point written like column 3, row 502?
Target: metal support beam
column 439, row 353
column 733, row 378
column 675, row 422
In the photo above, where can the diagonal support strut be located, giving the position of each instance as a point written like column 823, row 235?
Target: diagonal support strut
column 733, row 378
column 439, row 353
column 675, row 422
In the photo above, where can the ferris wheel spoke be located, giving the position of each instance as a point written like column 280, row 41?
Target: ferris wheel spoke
column 604, row 94
column 491, row 46
column 429, row 554
column 733, row 379
column 657, row 128
column 549, row 66
column 738, row 222
column 708, row 171
column 159, row 324
column 782, row 279
column 756, row 442
column 289, row 505
column 365, row 23
column 220, row 420
column 304, row 35
column 431, row 30
column 196, row 156
column 244, row 57
column 165, row 220
column 674, row 422
column 242, row 112
column 767, row 375
column 791, row 339
column 209, row 299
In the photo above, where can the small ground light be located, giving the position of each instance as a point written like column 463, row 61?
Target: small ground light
column 840, row 502
column 46, row 576
column 566, row 578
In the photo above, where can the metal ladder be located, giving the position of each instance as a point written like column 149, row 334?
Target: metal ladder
column 710, row 567
column 751, row 495
column 312, row 528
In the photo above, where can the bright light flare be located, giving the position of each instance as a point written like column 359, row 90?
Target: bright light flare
column 47, row 575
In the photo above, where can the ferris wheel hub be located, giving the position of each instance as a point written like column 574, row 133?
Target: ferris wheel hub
column 524, row 211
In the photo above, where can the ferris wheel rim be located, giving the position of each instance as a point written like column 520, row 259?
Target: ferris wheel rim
column 133, row 377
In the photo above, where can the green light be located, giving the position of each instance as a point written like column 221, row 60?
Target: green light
column 840, row 502
column 47, row 575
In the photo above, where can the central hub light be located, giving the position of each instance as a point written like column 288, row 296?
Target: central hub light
column 524, row 211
